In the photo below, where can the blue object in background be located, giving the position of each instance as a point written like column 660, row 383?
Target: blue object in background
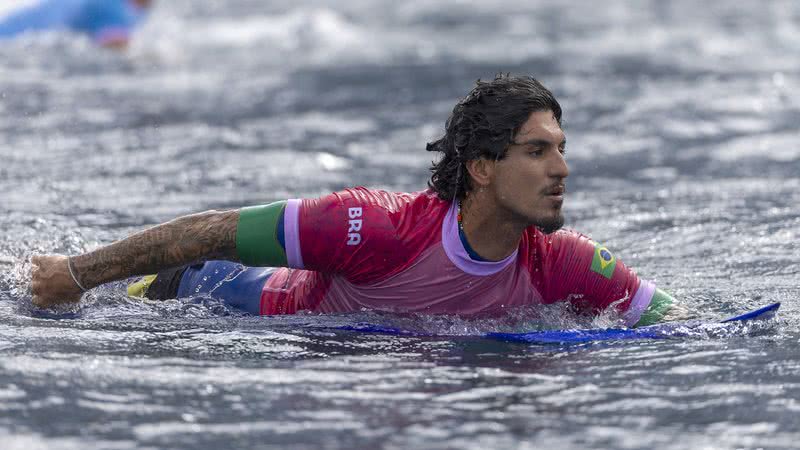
column 102, row 20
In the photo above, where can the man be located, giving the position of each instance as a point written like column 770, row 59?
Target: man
column 109, row 23
column 482, row 240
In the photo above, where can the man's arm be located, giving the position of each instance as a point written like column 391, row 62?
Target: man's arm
column 188, row 239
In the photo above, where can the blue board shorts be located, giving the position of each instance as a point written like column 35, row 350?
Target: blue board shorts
column 235, row 285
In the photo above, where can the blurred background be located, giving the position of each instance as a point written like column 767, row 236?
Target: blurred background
column 682, row 122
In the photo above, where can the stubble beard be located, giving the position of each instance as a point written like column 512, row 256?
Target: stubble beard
column 546, row 224
column 550, row 225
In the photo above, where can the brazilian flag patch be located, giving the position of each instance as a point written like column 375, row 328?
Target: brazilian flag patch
column 603, row 261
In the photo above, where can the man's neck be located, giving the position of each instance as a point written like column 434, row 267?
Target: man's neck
column 490, row 232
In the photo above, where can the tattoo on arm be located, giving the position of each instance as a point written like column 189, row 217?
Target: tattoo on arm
column 185, row 240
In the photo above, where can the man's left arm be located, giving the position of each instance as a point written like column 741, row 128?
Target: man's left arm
column 593, row 278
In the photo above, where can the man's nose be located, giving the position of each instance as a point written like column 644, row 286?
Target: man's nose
column 558, row 167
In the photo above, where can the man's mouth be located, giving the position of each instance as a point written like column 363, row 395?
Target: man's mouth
column 556, row 191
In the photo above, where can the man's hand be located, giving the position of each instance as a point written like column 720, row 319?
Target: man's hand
column 51, row 282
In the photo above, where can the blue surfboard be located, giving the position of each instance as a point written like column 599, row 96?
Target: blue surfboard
column 658, row 331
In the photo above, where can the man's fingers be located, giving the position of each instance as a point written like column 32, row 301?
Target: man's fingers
column 36, row 286
column 50, row 282
column 39, row 273
column 40, row 302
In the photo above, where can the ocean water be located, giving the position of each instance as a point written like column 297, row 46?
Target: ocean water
column 682, row 121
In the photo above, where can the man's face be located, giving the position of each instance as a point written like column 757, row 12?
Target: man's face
column 529, row 182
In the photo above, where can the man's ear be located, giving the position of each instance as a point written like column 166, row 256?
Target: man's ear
column 481, row 170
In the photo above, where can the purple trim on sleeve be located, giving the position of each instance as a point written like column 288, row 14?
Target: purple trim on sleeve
column 458, row 254
column 639, row 303
column 107, row 35
column 291, row 229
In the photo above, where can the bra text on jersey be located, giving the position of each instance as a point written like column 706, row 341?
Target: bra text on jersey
column 353, row 235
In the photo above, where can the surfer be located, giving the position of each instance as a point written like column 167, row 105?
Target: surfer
column 484, row 238
column 108, row 23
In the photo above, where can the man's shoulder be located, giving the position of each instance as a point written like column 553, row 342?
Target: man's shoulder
column 391, row 201
column 368, row 234
column 536, row 239
column 562, row 233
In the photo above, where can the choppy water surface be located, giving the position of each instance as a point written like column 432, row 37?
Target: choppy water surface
column 683, row 143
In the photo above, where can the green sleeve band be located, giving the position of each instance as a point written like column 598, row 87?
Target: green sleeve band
column 257, row 236
column 659, row 305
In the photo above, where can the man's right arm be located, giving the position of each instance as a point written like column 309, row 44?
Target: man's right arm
column 188, row 239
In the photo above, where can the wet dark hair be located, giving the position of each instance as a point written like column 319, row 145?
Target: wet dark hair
column 482, row 125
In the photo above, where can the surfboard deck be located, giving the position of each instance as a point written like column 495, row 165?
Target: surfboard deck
column 658, row 331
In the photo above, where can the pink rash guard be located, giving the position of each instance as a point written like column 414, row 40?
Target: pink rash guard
column 400, row 252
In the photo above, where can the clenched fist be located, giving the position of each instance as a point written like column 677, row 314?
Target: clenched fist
column 51, row 282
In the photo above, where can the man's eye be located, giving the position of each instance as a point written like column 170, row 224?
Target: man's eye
column 536, row 152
